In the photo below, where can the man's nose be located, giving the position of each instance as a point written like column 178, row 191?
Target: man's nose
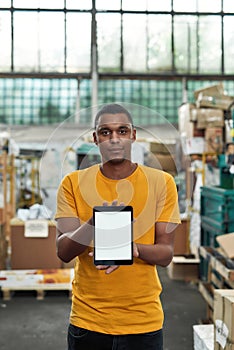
column 114, row 136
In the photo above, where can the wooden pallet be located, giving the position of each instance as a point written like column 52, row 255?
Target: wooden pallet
column 218, row 264
column 8, row 291
column 39, row 281
column 219, row 276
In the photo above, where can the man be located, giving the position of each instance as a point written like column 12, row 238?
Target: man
column 117, row 307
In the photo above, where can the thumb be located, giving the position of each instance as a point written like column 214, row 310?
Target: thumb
column 135, row 250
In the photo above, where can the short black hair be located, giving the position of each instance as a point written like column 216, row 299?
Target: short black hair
column 112, row 108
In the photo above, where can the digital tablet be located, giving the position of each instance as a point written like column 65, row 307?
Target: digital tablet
column 113, row 235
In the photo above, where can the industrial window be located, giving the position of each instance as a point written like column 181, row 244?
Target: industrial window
column 37, row 101
column 145, row 36
column 48, row 101
column 46, row 63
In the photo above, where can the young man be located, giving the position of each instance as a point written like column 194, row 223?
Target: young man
column 117, row 307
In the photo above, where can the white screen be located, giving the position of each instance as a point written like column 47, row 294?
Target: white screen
column 113, row 235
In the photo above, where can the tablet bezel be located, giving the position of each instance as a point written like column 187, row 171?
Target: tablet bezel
column 99, row 209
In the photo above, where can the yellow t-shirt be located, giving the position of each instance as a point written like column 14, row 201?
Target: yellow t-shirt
column 128, row 300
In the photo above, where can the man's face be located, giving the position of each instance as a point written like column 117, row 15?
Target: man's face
column 114, row 135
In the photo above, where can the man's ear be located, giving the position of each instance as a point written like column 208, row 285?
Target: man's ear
column 95, row 138
column 133, row 136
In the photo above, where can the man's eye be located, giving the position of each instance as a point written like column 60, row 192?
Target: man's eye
column 123, row 131
column 105, row 132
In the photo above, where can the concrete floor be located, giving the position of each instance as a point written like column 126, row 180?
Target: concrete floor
column 27, row 323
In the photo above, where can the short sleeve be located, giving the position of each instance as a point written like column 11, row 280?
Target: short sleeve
column 66, row 206
column 167, row 204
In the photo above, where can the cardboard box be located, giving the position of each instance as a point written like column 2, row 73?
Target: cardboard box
column 190, row 130
column 226, row 242
column 167, row 162
column 184, row 268
column 214, row 140
column 184, row 112
column 211, row 90
column 185, row 127
column 219, row 295
column 163, row 148
column 161, row 161
column 208, row 117
column 203, row 337
column 194, row 145
column 224, row 322
column 186, row 124
column 181, row 242
column 213, row 96
column 33, row 252
column 220, row 101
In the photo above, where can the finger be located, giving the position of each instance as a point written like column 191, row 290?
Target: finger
column 135, row 251
column 101, row 267
column 111, row 269
column 115, row 202
column 105, row 204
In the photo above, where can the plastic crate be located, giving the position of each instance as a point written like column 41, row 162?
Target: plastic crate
column 209, row 232
column 217, row 209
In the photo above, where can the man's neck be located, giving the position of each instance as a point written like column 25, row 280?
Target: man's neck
column 119, row 170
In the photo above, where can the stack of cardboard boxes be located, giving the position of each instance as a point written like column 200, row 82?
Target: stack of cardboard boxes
column 166, row 156
column 220, row 335
column 202, row 124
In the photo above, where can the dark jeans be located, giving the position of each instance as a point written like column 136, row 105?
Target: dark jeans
column 82, row 339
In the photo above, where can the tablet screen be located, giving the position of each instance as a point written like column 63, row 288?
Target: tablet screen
column 113, row 235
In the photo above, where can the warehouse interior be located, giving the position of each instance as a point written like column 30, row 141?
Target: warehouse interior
column 59, row 63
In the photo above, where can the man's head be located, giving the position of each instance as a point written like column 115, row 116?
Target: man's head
column 112, row 108
column 114, row 133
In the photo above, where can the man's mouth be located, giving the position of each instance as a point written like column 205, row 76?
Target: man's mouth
column 115, row 150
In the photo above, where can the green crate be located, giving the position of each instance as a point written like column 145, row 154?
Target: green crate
column 226, row 179
column 217, row 208
column 209, row 232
